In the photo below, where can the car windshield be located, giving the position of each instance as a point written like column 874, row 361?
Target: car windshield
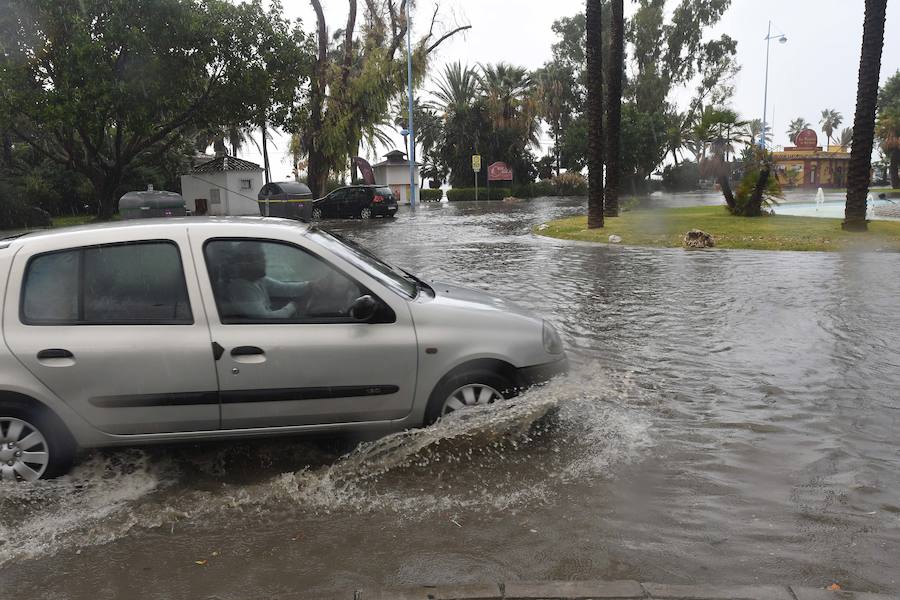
column 386, row 192
column 395, row 278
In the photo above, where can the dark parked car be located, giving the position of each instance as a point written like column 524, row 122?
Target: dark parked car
column 362, row 201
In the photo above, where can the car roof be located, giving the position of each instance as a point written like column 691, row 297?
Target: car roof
column 160, row 225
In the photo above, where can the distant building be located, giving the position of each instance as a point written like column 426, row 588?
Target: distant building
column 808, row 165
column 224, row 185
column 394, row 173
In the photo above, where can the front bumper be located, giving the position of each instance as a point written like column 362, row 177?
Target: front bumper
column 537, row 374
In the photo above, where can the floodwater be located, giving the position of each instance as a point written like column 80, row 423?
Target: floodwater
column 732, row 417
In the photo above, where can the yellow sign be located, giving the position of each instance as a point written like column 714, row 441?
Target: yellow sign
column 476, row 163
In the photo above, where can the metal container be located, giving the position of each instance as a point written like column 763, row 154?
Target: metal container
column 288, row 199
column 151, row 203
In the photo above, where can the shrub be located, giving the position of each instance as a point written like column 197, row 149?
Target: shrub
column 540, row 189
column 570, row 184
column 465, row 194
column 681, row 178
column 16, row 213
column 431, row 195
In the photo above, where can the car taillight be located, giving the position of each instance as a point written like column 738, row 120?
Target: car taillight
column 378, row 199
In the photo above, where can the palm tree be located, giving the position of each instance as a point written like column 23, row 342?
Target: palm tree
column 554, row 83
column 796, row 126
column 859, row 169
column 846, row 136
column 614, row 109
column 509, row 97
column 831, row 120
column 754, row 130
column 594, row 104
column 888, row 130
column 457, row 87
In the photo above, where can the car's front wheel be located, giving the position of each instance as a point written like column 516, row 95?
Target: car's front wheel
column 33, row 444
column 472, row 388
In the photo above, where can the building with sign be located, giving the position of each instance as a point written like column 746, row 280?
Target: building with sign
column 809, row 165
column 394, row 173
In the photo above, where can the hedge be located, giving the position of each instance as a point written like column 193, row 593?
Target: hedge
column 426, row 195
column 464, row 194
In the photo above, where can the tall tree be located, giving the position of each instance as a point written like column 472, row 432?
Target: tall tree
column 754, row 129
column 888, row 126
column 831, row 120
column 616, row 66
column 846, row 137
column 593, row 53
column 795, row 127
column 356, row 80
column 99, row 87
column 859, row 169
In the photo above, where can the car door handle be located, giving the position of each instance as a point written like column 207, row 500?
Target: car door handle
column 54, row 353
column 246, row 351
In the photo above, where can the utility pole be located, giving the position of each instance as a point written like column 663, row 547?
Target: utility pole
column 781, row 40
column 412, row 131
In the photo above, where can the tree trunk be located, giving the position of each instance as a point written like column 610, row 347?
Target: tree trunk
column 859, row 169
column 265, row 150
column 317, row 168
column 593, row 51
column 725, row 186
column 894, row 168
column 105, row 188
column 754, row 206
column 614, row 110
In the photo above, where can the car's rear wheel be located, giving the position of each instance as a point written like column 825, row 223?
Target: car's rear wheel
column 33, row 445
column 473, row 388
column 317, row 213
column 365, row 213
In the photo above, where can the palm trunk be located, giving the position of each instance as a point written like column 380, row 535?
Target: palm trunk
column 317, row 168
column 894, row 168
column 614, row 110
column 265, row 150
column 858, row 171
column 593, row 50
column 754, row 207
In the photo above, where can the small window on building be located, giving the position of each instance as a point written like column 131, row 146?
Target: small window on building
column 246, row 184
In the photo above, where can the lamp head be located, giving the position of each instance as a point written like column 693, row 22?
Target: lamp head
column 782, row 40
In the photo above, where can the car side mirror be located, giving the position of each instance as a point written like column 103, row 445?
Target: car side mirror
column 363, row 308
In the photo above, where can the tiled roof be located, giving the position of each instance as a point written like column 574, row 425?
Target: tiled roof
column 227, row 163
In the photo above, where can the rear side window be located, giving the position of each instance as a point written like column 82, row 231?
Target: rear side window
column 385, row 191
column 122, row 284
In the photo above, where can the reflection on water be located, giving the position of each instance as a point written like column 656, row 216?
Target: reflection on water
column 732, row 417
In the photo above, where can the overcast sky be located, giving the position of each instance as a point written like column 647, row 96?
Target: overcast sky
column 814, row 70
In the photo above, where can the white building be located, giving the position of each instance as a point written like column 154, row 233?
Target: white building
column 224, row 185
column 394, row 173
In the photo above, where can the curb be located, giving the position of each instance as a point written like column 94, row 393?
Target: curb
column 604, row 590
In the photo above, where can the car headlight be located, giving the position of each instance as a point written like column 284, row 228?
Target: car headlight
column 552, row 342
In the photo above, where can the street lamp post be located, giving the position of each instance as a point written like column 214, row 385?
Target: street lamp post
column 781, row 40
column 412, row 132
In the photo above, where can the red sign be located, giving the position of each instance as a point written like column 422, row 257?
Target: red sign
column 365, row 169
column 499, row 171
column 807, row 139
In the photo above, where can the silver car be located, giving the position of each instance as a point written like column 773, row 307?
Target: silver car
column 194, row 329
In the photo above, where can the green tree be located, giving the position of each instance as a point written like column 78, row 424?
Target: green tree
column 594, row 104
column 355, row 80
column 754, row 130
column 846, row 137
column 464, row 120
column 796, row 126
column 100, row 87
column 888, row 125
column 831, row 120
column 859, row 169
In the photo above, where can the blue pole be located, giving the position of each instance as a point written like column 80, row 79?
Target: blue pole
column 412, row 133
column 762, row 137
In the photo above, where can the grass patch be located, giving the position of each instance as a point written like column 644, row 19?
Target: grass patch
column 665, row 228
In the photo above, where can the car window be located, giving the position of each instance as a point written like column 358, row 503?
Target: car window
column 386, row 192
column 138, row 283
column 262, row 281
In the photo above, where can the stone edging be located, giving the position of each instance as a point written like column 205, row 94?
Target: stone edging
column 605, row 590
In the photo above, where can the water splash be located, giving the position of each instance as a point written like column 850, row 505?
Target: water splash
column 500, row 457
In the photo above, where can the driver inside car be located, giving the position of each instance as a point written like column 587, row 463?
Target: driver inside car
column 249, row 290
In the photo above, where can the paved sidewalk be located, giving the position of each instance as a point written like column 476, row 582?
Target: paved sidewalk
column 606, row 590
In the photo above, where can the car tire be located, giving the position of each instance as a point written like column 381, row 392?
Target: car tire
column 317, row 214
column 55, row 439
column 365, row 213
column 486, row 387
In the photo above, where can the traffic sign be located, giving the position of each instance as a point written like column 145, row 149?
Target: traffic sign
column 476, row 163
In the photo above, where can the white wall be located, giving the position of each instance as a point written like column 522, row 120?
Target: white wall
column 397, row 178
column 233, row 199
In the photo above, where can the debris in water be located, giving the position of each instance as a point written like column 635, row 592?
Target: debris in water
column 455, row 522
column 202, row 563
column 834, row 587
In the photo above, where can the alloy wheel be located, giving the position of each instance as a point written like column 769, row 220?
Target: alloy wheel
column 317, row 213
column 24, row 453
column 365, row 213
column 472, row 394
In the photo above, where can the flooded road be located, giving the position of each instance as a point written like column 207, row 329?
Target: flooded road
column 732, row 417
